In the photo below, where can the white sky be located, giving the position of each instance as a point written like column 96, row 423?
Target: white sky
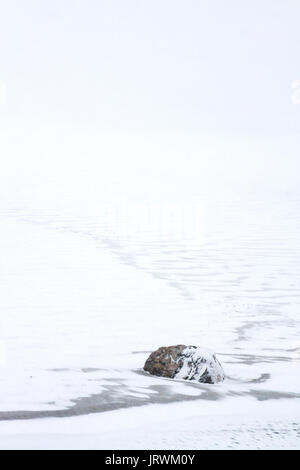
column 74, row 70
column 155, row 64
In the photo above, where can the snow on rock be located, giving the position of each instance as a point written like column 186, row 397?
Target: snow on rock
column 185, row 362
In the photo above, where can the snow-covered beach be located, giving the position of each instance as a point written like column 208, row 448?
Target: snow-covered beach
column 149, row 197
column 88, row 292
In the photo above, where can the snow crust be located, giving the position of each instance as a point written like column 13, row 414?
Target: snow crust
column 198, row 364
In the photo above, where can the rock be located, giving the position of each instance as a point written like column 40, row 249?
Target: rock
column 185, row 362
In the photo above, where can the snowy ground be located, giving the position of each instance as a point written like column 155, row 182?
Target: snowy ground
column 199, row 425
column 89, row 290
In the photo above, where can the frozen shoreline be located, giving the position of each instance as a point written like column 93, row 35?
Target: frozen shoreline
column 149, row 197
column 119, row 396
column 75, row 338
